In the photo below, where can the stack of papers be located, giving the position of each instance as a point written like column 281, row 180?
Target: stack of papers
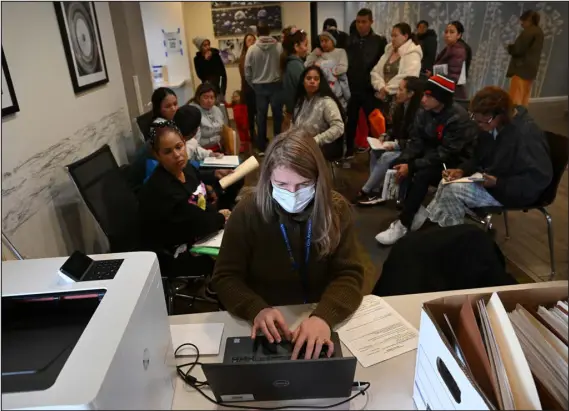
column 209, row 245
column 376, row 332
column 546, row 354
column 518, row 360
column 223, row 162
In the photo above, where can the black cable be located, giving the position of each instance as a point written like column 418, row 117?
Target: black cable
column 194, row 383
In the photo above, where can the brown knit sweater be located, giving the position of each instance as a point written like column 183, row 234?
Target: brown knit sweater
column 254, row 271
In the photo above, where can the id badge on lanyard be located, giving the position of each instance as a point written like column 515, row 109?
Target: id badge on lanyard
column 295, row 267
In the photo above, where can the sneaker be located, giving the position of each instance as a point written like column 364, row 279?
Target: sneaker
column 360, row 150
column 369, row 199
column 393, row 234
column 419, row 219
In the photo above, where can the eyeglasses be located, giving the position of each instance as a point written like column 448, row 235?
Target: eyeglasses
column 472, row 117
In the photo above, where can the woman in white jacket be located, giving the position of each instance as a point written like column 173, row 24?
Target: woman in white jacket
column 402, row 58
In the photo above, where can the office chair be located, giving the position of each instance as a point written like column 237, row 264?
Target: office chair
column 144, row 121
column 558, row 150
column 114, row 207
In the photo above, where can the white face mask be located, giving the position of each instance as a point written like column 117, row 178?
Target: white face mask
column 294, row 202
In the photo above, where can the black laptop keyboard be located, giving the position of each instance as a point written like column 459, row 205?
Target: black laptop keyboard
column 104, row 270
column 266, row 358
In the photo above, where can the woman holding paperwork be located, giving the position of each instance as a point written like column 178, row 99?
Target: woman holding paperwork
column 209, row 134
column 292, row 242
column 455, row 56
column 408, row 100
column 320, row 113
column 511, row 153
column 175, row 208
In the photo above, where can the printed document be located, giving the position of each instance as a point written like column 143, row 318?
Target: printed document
column 376, row 332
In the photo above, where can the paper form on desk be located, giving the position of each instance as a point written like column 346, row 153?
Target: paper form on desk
column 376, row 332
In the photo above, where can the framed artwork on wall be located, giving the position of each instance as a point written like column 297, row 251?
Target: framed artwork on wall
column 241, row 20
column 9, row 100
column 81, row 38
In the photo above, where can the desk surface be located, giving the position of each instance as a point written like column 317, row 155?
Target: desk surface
column 391, row 380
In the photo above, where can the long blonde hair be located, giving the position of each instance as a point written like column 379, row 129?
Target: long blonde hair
column 296, row 150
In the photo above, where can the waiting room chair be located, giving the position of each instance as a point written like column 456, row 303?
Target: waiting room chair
column 144, row 122
column 559, row 152
column 105, row 190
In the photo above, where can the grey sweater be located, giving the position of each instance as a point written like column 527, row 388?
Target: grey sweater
column 262, row 62
column 320, row 116
column 209, row 133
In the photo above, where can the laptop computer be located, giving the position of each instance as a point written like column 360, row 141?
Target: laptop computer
column 80, row 267
column 256, row 371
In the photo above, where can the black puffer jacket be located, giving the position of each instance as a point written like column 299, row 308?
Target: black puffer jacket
column 363, row 55
column 519, row 158
column 438, row 138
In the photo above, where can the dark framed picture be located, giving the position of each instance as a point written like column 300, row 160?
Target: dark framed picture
column 9, row 100
column 81, row 38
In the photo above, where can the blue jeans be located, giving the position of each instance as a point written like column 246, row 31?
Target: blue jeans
column 266, row 94
column 379, row 163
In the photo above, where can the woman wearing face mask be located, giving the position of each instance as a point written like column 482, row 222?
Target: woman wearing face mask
column 247, row 93
column 209, row 66
column 209, row 133
column 292, row 242
column 456, row 57
column 295, row 48
column 320, row 113
column 511, row 153
column 408, row 100
column 402, row 58
column 175, row 208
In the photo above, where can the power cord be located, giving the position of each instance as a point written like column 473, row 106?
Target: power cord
column 360, row 386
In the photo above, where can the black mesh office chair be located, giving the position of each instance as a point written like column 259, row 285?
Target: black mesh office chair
column 559, row 152
column 114, row 206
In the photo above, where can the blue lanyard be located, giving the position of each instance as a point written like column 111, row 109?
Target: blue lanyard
column 295, row 267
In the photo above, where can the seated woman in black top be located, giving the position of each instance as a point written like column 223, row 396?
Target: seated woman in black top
column 174, row 207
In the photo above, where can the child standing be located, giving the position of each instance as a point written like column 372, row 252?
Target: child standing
column 333, row 62
column 241, row 117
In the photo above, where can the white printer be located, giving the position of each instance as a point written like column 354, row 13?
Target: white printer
column 86, row 345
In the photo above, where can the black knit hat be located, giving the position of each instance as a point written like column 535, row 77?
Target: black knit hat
column 441, row 88
column 188, row 119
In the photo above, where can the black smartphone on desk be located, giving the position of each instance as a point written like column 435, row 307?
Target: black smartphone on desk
column 80, row 267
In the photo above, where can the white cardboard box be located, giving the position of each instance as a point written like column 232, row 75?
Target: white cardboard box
column 441, row 381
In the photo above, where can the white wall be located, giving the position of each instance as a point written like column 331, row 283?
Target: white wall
column 198, row 22
column 332, row 9
column 54, row 127
column 167, row 16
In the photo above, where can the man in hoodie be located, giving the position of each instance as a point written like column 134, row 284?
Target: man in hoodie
column 263, row 73
column 364, row 50
column 209, row 66
column 428, row 42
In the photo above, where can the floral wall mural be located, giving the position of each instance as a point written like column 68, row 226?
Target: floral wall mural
column 488, row 27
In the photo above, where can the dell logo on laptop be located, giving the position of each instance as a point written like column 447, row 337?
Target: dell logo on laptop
column 281, row 383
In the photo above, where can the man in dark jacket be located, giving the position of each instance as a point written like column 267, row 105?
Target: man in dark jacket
column 511, row 155
column 209, row 66
column 428, row 42
column 440, row 138
column 364, row 50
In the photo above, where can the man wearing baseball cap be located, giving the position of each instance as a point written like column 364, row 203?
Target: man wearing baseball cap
column 441, row 136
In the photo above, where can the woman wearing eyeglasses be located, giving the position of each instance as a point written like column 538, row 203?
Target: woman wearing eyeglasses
column 511, row 155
